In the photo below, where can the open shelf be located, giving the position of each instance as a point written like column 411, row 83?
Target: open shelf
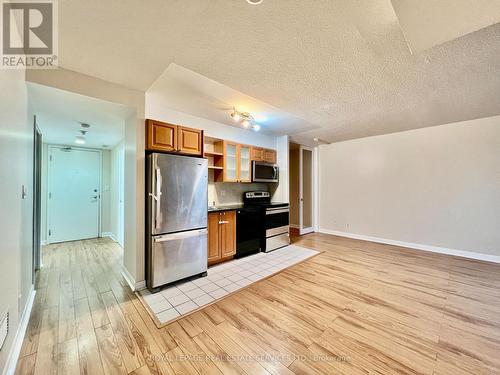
column 213, row 153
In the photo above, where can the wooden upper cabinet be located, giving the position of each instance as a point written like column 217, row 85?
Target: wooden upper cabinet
column 190, row 141
column 257, row 154
column 161, row 136
column 231, row 162
column 244, row 163
column 270, row 156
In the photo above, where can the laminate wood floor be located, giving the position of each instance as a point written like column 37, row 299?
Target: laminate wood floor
column 357, row 308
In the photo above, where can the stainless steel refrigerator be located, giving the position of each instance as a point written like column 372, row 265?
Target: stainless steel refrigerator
column 176, row 218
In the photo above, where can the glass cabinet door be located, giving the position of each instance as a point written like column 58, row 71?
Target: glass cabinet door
column 230, row 166
column 245, row 174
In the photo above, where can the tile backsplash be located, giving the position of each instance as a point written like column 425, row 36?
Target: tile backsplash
column 232, row 193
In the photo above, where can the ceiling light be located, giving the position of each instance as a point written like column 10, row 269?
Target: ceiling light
column 319, row 140
column 236, row 116
column 254, row 2
column 256, row 127
column 245, row 123
column 80, row 140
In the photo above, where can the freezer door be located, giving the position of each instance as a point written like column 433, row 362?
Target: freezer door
column 178, row 193
column 177, row 256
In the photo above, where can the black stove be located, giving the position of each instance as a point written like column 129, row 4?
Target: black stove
column 275, row 219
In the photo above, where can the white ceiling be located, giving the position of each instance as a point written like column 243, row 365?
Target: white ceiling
column 343, row 66
column 186, row 91
column 60, row 114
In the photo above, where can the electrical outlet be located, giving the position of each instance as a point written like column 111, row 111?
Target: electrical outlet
column 4, row 328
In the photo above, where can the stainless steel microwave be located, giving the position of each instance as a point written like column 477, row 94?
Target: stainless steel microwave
column 264, row 172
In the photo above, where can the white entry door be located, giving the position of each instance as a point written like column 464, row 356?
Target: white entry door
column 74, row 179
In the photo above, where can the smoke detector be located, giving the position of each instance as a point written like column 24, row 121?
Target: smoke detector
column 85, row 126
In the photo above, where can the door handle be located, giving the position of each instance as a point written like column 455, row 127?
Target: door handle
column 181, row 236
column 157, row 196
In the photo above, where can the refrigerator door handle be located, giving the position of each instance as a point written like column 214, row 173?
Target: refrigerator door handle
column 158, row 198
column 180, row 236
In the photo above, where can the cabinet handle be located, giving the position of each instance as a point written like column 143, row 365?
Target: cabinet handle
column 223, row 222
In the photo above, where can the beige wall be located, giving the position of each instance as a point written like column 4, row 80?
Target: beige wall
column 16, row 170
column 437, row 186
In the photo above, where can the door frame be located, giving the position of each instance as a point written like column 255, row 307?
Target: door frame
column 37, row 199
column 99, row 216
column 310, row 229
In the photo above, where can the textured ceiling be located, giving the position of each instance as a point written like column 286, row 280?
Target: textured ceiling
column 190, row 92
column 341, row 65
column 428, row 23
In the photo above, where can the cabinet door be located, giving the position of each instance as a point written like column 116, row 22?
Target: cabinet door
column 257, row 154
column 228, row 234
column 244, row 164
column 161, row 136
column 214, row 249
column 230, row 162
column 270, row 156
column 190, row 141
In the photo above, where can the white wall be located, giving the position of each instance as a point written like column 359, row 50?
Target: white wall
column 106, row 191
column 16, row 170
column 228, row 193
column 116, row 192
column 437, row 186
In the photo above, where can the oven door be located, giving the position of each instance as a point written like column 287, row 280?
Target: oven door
column 264, row 172
column 277, row 221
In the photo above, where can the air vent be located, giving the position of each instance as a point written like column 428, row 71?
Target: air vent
column 4, row 328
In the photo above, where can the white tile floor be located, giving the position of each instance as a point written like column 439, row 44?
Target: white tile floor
column 221, row 280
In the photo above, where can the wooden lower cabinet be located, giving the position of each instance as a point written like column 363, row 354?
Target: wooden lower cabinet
column 221, row 236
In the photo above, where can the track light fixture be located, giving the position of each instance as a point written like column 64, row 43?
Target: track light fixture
column 245, row 119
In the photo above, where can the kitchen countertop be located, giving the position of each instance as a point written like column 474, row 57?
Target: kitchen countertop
column 228, row 207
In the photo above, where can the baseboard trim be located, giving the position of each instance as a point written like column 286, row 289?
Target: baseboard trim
column 416, row 246
column 134, row 286
column 43, row 243
column 109, row 235
column 10, row 365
